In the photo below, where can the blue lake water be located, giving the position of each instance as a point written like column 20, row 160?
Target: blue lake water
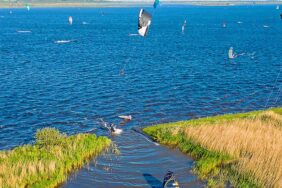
column 168, row 76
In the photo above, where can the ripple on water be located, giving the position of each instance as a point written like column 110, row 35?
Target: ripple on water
column 167, row 77
column 137, row 159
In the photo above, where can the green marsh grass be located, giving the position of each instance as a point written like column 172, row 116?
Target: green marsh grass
column 48, row 162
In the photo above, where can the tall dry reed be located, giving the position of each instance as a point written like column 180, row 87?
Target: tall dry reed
column 255, row 143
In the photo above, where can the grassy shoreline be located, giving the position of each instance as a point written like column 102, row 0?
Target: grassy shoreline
column 119, row 4
column 48, row 162
column 239, row 149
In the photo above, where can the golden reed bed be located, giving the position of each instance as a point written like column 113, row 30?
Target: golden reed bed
column 255, row 143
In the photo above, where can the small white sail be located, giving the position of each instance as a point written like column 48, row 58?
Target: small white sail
column 230, row 53
column 183, row 26
column 70, row 20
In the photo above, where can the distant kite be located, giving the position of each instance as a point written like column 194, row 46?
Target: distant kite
column 156, row 3
column 27, row 7
column 144, row 22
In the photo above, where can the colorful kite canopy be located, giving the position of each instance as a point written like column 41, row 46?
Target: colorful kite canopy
column 156, row 3
column 144, row 22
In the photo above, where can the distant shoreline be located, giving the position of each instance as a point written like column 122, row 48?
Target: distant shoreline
column 132, row 4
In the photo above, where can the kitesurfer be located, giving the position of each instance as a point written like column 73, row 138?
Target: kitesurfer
column 170, row 181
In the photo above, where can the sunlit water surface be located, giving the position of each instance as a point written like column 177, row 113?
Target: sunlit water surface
column 68, row 77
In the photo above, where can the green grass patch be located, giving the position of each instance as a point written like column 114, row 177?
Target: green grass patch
column 48, row 162
column 217, row 168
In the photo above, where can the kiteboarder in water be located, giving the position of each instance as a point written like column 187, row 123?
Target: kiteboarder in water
column 170, row 181
column 111, row 128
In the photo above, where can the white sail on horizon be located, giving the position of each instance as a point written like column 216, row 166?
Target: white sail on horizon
column 70, row 20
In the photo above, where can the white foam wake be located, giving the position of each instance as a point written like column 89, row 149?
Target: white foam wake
column 62, row 41
column 133, row 34
column 24, row 31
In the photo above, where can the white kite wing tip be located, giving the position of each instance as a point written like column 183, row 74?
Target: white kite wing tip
column 141, row 11
column 142, row 31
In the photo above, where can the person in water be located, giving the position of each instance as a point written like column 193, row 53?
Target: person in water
column 170, row 181
column 112, row 128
